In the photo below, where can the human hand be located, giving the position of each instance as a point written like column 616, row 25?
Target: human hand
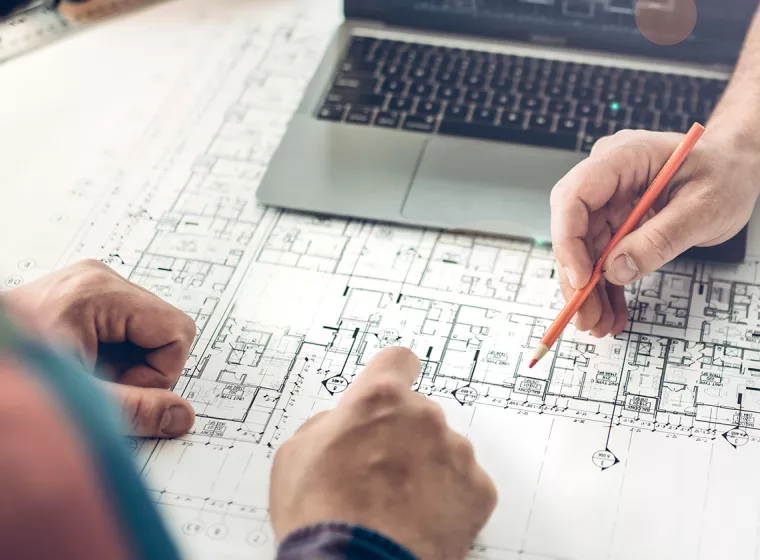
column 136, row 337
column 708, row 202
column 384, row 459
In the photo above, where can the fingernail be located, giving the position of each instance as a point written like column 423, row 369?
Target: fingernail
column 572, row 277
column 624, row 269
column 176, row 421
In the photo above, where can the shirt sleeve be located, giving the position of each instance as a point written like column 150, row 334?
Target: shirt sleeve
column 339, row 541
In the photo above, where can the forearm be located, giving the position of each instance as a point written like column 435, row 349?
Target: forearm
column 737, row 115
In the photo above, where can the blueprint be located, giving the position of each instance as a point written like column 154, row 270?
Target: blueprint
column 644, row 445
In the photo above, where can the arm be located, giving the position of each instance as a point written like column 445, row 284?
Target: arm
column 709, row 201
column 737, row 115
column 375, row 465
column 66, row 474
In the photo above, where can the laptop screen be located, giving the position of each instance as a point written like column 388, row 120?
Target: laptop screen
column 608, row 25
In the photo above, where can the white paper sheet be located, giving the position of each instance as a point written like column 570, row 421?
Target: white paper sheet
column 643, row 446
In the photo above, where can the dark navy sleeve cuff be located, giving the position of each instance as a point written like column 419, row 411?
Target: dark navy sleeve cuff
column 339, row 541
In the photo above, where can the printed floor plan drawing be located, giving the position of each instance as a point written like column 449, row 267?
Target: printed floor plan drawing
column 642, row 445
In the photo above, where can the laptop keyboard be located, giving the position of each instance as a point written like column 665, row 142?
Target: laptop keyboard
column 543, row 102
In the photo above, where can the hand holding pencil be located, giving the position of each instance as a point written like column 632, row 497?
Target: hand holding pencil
column 641, row 208
column 708, row 202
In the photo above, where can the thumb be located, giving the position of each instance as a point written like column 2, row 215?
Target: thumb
column 678, row 227
column 154, row 412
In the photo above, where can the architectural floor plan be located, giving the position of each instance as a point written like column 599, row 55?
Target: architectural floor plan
column 645, row 445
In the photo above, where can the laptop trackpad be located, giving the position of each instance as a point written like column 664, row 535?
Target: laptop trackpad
column 505, row 187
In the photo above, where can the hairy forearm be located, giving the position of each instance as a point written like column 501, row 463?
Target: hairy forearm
column 737, row 115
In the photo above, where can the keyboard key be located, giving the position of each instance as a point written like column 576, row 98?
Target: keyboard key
column 400, row 104
column 457, row 111
column 640, row 100
column 421, row 90
column 584, row 93
column 359, row 116
column 655, row 83
column 588, row 142
column 529, row 103
column 420, row 75
column 529, row 88
column 599, row 81
column 359, row 66
column 355, row 83
column 506, row 100
column 597, row 128
column 448, row 78
column 331, row 112
column 568, row 126
column 392, row 86
column 484, row 116
column 449, row 93
column 369, row 99
column 393, row 71
column 474, row 81
column 477, row 96
column 420, row 123
column 683, row 88
column 644, row 117
column 427, row 108
column 559, row 107
column 614, row 96
column 589, row 110
column 512, row 119
column 503, row 83
column 675, row 123
column 540, row 122
column 387, row 120
column 556, row 91
column 614, row 112
column 508, row 134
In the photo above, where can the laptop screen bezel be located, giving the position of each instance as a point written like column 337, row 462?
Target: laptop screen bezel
column 702, row 52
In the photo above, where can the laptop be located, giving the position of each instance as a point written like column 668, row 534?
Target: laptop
column 463, row 114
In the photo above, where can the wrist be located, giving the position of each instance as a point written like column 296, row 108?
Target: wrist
column 340, row 541
column 732, row 123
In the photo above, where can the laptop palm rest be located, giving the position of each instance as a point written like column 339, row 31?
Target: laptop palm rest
column 480, row 185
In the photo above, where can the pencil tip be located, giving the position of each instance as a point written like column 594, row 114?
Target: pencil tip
column 532, row 363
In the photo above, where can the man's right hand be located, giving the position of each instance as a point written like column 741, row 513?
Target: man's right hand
column 710, row 200
column 386, row 460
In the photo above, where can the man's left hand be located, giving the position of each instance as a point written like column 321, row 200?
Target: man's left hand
column 128, row 332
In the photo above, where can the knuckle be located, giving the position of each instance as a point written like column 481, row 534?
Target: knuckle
column 92, row 264
column 659, row 243
column 93, row 268
column 557, row 195
column 400, row 354
column 464, row 449
column 382, row 393
column 90, row 274
column 433, row 417
column 137, row 409
column 188, row 327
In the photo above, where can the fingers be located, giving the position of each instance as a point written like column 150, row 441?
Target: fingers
column 604, row 312
column 397, row 366
column 591, row 310
column 606, row 315
column 619, row 308
column 153, row 324
column 679, row 226
column 154, row 412
column 618, row 169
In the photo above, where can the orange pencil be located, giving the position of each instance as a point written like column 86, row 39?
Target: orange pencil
column 637, row 214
